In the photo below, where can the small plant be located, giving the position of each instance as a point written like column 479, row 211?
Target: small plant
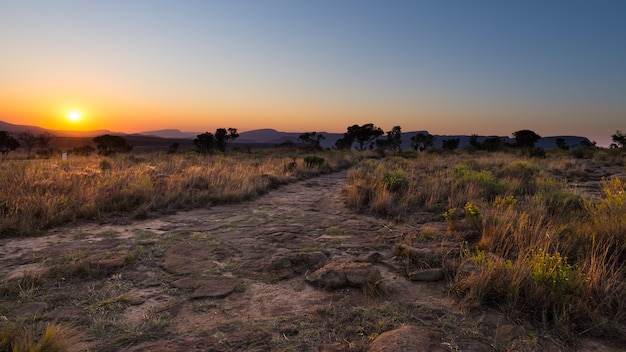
column 105, row 165
column 554, row 272
column 311, row 161
column 451, row 216
column 335, row 230
column 395, row 181
column 472, row 213
column 18, row 338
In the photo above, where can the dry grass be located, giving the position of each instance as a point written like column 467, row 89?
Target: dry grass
column 43, row 193
column 545, row 253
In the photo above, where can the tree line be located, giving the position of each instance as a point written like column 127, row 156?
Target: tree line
column 360, row 137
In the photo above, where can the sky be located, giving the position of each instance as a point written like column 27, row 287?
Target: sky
column 448, row 67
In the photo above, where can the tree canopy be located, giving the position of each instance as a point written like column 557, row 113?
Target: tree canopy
column 108, row 144
column 207, row 142
column 422, row 141
column 363, row 135
column 312, row 140
column 393, row 140
column 619, row 138
column 204, row 142
column 7, row 144
column 526, row 138
column 223, row 137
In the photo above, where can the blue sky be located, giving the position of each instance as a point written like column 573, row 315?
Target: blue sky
column 450, row 67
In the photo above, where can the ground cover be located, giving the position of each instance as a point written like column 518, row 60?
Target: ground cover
column 396, row 252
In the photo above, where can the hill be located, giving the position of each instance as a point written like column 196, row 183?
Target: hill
column 266, row 137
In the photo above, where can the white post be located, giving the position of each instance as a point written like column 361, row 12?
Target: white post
column 64, row 156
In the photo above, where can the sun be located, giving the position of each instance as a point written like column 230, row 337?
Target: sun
column 74, row 115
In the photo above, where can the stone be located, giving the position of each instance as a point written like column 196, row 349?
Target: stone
column 409, row 338
column 435, row 274
column 337, row 275
column 67, row 313
column 29, row 310
column 217, row 287
column 509, row 332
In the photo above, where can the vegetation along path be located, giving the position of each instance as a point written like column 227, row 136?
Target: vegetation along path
column 293, row 270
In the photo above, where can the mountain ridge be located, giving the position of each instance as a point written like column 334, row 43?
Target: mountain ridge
column 273, row 136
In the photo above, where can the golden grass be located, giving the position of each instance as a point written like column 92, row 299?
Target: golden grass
column 545, row 253
column 43, row 193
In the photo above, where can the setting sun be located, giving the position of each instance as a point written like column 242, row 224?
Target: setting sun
column 74, row 115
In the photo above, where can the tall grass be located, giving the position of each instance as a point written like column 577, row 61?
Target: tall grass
column 545, row 253
column 43, row 193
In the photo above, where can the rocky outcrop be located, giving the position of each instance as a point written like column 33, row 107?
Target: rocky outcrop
column 338, row 275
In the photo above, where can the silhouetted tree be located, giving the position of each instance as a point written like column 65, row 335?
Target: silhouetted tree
column 312, row 140
column 85, row 150
column 450, row 144
column 108, row 144
column 422, row 141
column 43, row 145
column 345, row 142
column 364, row 135
column 561, row 144
column 173, row 149
column 526, row 138
column 474, row 143
column 223, row 137
column 394, row 139
column 205, row 143
column 492, row 144
column 7, row 144
column 29, row 141
column 619, row 138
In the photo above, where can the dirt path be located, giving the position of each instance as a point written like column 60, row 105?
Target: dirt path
column 234, row 277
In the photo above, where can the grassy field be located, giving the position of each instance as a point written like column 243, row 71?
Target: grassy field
column 38, row 194
column 534, row 245
column 541, row 239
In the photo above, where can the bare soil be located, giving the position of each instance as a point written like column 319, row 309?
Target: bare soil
column 236, row 278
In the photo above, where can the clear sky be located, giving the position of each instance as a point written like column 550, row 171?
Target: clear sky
column 449, row 67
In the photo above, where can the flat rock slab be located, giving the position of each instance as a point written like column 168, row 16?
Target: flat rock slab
column 208, row 287
column 410, row 338
column 427, row 275
column 29, row 309
column 188, row 257
column 67, row 313
column 352, row 274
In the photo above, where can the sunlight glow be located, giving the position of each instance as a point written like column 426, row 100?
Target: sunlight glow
column 74, row 115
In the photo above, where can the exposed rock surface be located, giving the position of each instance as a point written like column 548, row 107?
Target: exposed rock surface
column 338, row 275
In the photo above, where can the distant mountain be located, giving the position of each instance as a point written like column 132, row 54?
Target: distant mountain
column 272, row 136
column 171, row 134
column 4, row 126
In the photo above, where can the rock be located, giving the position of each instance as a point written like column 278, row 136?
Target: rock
column 29, row 310
column 435, row 274
column 508, row 332
column 188, row 257
column 372, row 257
column 205, row 286
column 218, row 287
column 111, row 264
column 67, row 313
column 409, row 338
column 280, row 261
column 469, row 344
column 312, row 260
column 404, row 250
column 337, row 275
column 297, row 263
column 333, row 347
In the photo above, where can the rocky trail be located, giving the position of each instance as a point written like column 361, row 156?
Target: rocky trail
column 293, row 270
